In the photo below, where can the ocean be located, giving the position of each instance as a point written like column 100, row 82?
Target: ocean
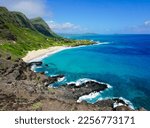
column 122, row 61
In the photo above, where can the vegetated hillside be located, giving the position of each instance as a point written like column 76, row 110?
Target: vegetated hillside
column 43, row 27
column 18, row 34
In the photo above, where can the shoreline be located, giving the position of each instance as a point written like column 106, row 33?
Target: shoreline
column 37, row 55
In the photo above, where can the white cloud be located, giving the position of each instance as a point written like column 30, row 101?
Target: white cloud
column 62, row 26
column 31, row 8
column 147, row 23
column 65, row 27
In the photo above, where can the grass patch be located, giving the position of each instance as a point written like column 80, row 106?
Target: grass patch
column 37, row 105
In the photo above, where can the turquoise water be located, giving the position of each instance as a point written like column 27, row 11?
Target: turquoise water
column 123, row 62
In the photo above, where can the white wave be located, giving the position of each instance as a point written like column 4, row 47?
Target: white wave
column 101, row 43
column 33, row 67
column 118, row 104
column 84, row 80
column 81, row 81
column 127, row 102
column 71, row 83
column 93, row 94
column 60, row 79
column 46, row 72
column 90, row 96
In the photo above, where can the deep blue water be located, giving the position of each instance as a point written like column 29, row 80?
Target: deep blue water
column 123, row 62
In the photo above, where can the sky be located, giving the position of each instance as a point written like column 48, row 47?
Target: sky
column 88, row 16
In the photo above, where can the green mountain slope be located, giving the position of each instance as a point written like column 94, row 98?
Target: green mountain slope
column 18, row 34
column 22, row 20
column 43, row 27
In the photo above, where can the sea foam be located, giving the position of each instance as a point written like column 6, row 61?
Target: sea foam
column 84, row 80
column 90, row 96
column 120, row 104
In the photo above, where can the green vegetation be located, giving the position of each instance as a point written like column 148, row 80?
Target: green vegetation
column 37, row 106
column 42, row 27
column 18, row 34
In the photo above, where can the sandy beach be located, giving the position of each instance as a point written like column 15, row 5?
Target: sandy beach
column 41, row 53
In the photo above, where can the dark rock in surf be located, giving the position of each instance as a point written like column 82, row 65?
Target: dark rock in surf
column 39, row 63
column 117, row 100
column 74, row 92
column 49, row 80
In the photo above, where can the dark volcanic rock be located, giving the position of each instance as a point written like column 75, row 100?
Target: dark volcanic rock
column 122, row 108
column 39, row 63
column 108, row 103
column 117, row 100
column 49, row 80
column 74, row 92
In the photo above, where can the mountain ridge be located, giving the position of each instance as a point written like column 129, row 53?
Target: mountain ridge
column 18, row 34
column 20, row 20
column 42, row 27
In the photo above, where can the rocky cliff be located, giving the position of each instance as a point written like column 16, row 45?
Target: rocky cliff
column 23, row 89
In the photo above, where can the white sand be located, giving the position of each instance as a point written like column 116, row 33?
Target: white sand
column 39, row 54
